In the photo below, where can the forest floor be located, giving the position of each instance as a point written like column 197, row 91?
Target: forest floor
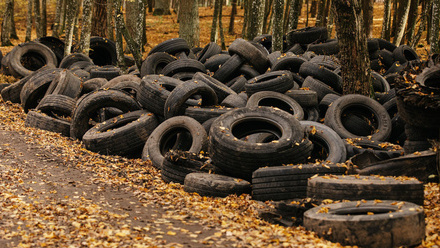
column 55, row 193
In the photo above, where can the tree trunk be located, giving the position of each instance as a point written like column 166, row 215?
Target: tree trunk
column 412, row 20
column 99, row 25
column 327, row 12
column 385, row 34
column 56, row 23
column 13, row 34
column 220, row 26
column 402, row 24
column 6, row 24
column 150, row 5
column 63, row 16
column 247, row 9
column 277, row 26
column 29, row 21
column 435, row 27
column 330, row 21
column 320, row 16
column 118, row 36
column 84, row 42
column 267, row 15
column 161, row 7
column 255, row 22
column 367, row 10
column 109, row 20
column 313, row 8
column 70, row 23
column 426, row 7
column 44, row 17
column 295, row 13
column 214, row 25
column 38, row 24
column 395, row 18
column 233, row 14
column 353, row 52
column 189, row 22
column 286, row 15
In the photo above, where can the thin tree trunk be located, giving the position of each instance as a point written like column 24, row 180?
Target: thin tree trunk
column 367, row 10
column 142, row 25
column 38, row 24
column 6, row 24
column 313, row 8
column 435, row 27
column 56, row 23
column 109, row 20
column 307, row 13
column 84, row 42
column 286, row 15
column 44, row 17
column 267, row 15
column 412, row 20
column 295, row 13
column 150, row 5
column 395, row 19
column 402, row 24
column 189, row 22
column 161, row 7
column 99, row 25
column 118, row 36
column 426, row 6
column 353, row 52
column 76, row 27
column 385, row 34
column 246, row 6
column 13, row 34
column 233, row 14
column 255, row 22
column 320, row 16
column 29, row 21
column 327, row 12
column 220, row 26
column 63, row 16
column 277, row 26
column 214, row 26
column 330, row 22
column 70, row 23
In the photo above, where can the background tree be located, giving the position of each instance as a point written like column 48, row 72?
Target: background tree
column 99, row 26
column 84, row 42
column 400, row 31
column 353, row 52
column 386, row 24
column 277, row 34
column 13, row 34
column 189, row 22
column 70, row 23
column 294, row 13
column 412, row 20
column 29, row 21
column 43, row 18
column 58, row 17
column 367, row 10
column 254, row 25
column 435, row 27
column 320, row 16
column 161, row 7
column 233, row 14
column 6, row 24
column 38, row 24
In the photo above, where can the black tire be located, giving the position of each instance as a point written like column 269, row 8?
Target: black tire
column 57, row 105
column 386, row 58
column 228, row 68
column 396, row 67
column 81, row 65
column 330, row 62
column 45, row 122
column 379, row 83
column 92, row 85
column 202, row 114
column 384, row 44
column 102, row 51
column 250, row 53
column 123, row 78
column 278, row 81
column 175, row 103
column 221, row 90
column 233, row 101
column 288, row 182
column 417, row 116
column 107, row 73
column 35, row 88
column 171, row 46
column 65, row 83
column 122, row 135
column 289, row 63
column 163, row 139
column 29, row 57
column 323, row 74
column 307, row 35
column 12, row 92
column 416, row 146
column 237, row 84
column 208, row 51
column 296, row 49
column 355, row 187
column 305, row 98
column 311, row 114
column 54, row 44
column 326, row 101
column 73, row 58
column 369, row 223
column 414, row 133
column 183, row 65
column 405, row 53
column 155, row 63
column 327, row 145
column 319, row 87
column 88, row 106
column 241, row 158
column 333, row 116
column 215, row 185
column 215, row 62
column 276, row 100
column 325, row 48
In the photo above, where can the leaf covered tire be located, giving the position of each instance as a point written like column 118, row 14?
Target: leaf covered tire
column 42, row 121
column 369, row 223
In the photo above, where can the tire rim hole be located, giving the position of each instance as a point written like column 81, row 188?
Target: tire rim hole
column 253, row 125
column 32, row 61
column 368, row 121
column 176, row 139
column 276, row 103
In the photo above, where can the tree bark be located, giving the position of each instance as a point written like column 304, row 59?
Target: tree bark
column 109, row 20
column 6, row 24
column 161, row 7
column 395, row 19
column 214, row 25
column 353, row 52
column 295, row 12
column 43, row 17
column 118, row 36
column 84, row 42
column 63, row 16
column 247, row 9
column 150, row 5
column 426, row 7
column 435, row 27
column 255, row 22
column 13, row 34
column 267, row 15
column 385, row 34
column 277, row 26
column 29, row 21
column 70, row 23
column 367, row 10
column 99, row 25
column 38, row 24
column 232, row 19
column 220, row 26
column 320, row 15
column 402, row 23
column 189, row 22
column 412, row 20
column 56, row 23
column 286, row 15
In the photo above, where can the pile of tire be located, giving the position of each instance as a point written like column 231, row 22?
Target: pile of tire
column 227, row 122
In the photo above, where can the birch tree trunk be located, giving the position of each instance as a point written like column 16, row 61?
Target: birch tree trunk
column 232, row 19
column 435, row 27
column 189, row 22
column 295, row 12
column 56, row 23
column 214, row 25
column 84, row 42
column 43, row 17
column 385, row 33
column 277, row 26
column 367, row 10
column 402, row 24
column 6, row 24
column 353, row 52
column 29, row 21
column 63, row 16
column 161, row 7
column 38, row 24
column 70, row 23
column 118, row 36
column 99, row 25
column 255, row 22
